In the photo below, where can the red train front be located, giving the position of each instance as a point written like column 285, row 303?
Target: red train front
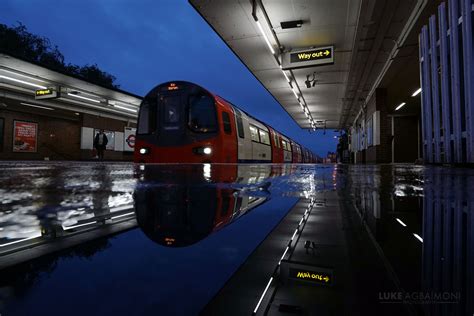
column 181, row 122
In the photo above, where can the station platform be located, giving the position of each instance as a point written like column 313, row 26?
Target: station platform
column 329, row 237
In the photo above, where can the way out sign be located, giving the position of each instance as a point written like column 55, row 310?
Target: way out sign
column 308, row 58
column 306, row 273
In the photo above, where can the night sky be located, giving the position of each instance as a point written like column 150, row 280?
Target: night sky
column 147, row 42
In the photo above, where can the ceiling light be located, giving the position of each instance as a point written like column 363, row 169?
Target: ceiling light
column 77, row 113
column 124, row 108
column 81, row 97
column 24, row 82
column 37, row 106
column 417, row 92
column 296, row 93
column 400, row 106
column 265, row 37
column 284, row 73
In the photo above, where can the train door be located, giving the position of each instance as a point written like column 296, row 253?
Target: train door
column 228, row 134
column 244, row 142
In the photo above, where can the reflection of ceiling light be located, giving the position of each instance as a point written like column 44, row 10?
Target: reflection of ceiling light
column 77, row 113
column 265, row 37
column 417, row 92
column 124, row 108
column 418, row 237
column 400, row 106
column 83, row 98
column 401, row 223
column 24, row 82
column 37, row 106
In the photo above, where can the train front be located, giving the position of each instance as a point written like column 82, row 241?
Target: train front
column 177, row 123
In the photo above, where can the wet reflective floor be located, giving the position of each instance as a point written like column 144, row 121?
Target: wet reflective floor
column 125, row 239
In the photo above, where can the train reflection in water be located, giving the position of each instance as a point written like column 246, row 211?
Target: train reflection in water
column 175, row 209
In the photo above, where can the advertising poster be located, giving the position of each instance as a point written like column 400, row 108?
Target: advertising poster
column 129, row 138
column 110, row 138
column 25, row 136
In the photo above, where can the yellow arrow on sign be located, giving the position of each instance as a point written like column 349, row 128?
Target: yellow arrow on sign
column 327, row 52
column 326, row 279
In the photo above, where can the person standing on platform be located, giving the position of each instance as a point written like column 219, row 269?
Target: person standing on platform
column 100, row 143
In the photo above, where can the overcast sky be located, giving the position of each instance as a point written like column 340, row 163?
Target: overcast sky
column 147, row 42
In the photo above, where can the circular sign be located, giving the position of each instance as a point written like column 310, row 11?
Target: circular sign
column 131, row 141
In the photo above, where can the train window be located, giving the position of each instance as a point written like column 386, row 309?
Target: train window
column 226, row 122
column 146, row 118
column 264, row 137
column 202, row 114
column 171, row 109
column 240, row 125
column 254, row 133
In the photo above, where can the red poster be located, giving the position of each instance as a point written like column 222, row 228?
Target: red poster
column 25, row 136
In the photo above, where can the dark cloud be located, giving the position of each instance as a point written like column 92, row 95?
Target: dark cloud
column 144, row 43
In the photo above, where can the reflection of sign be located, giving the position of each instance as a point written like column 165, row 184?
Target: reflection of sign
column 129, row 137
column 311, row 276
column 173, row 86
column 308, row 58
column 48, row 93
column 25, row 136
column 306, row 273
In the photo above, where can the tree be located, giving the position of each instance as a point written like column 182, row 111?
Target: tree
column 18, row 42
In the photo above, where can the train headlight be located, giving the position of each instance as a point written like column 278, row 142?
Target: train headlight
column 207, row 150
column 144, row 151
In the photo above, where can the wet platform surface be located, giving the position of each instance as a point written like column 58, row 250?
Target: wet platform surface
column 103, row 238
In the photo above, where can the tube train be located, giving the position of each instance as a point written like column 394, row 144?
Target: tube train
column 181, row 122
column 187, row 203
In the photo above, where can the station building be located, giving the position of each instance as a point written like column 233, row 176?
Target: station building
column 397, row 76
column 47, row 115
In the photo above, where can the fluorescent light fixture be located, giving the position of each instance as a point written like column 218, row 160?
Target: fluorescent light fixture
column 37, row 106
column 418, row 237
column 265, row 37
column 83, row 98
column 302, row 106
column 401, row 223
column 263, row 295
column 400, row 106
column 284, row 73
column 24, row 82
column 417, row 92
column 124, row 108
column 294, row 91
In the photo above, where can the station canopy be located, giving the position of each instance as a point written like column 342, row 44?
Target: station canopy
column 319, row 59
column 25, row 84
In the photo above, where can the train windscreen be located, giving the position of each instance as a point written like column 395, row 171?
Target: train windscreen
column 202, row 114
